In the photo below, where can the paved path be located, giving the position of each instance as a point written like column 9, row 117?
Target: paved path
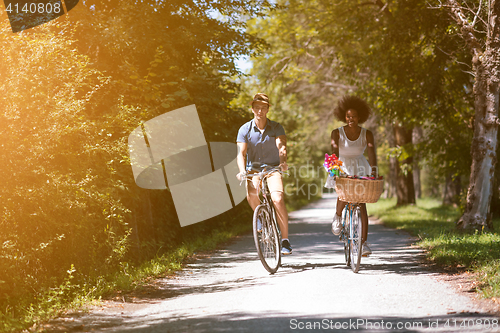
column 313, row 291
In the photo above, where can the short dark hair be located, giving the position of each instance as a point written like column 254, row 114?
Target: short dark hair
column 347, row 103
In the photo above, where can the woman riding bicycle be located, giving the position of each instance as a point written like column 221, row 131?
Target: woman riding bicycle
column 349, row 143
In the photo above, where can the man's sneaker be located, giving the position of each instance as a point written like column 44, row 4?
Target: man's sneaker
column 366, row 250
column 336, row 225
column 286, row 248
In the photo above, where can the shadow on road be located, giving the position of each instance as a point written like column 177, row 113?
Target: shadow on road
column 229, row 291
column 315, row 247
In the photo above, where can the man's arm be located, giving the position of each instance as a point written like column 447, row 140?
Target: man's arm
column 281, row 144
column 241, row 159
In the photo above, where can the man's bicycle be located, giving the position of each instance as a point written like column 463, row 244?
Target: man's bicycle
column 355, row 192
column 266, row 232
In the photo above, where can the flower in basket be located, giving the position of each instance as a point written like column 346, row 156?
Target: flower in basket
column 332, row 165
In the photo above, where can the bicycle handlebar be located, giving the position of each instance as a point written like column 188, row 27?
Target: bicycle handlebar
column 262, row 174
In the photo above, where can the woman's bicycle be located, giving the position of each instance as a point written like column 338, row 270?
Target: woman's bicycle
column 266, row 233
column 355, row 192
column 351, row 233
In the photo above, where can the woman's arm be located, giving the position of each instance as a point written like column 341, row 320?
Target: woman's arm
column 335, row 142
column 372, row 154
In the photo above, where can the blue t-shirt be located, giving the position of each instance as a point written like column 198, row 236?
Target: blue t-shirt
column 261, row 146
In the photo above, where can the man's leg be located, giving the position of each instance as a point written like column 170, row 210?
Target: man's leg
column 281, row 212
column 275, row 184
column 252, row 194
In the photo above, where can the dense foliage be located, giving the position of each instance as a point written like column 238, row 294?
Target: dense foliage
column 404, row 57
column 72, row 91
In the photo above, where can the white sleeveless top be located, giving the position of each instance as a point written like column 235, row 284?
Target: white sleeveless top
column 351, row 153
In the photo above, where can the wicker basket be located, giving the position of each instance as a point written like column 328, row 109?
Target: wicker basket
column 358, row 190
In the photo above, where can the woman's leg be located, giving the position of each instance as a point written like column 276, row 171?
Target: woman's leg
column 340, row 206
column 364, row 221
column 337, row 224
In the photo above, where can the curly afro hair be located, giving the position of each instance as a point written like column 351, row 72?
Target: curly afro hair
column 347, row 103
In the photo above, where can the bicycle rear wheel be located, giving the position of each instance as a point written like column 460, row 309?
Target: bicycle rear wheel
column 356, row 228
column 267, row 240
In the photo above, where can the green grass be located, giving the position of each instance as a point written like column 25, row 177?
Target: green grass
column 130, row 277
column 70, row 296
column 434, row 225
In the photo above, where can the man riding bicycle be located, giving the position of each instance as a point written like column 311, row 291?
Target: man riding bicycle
column 262, row 142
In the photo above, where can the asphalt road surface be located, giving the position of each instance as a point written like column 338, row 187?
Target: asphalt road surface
column 314, row 290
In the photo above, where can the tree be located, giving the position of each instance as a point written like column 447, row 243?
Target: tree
column 299, row 73
column 73, row 90
column 53, row 196
column 400, row 55
column 479, row 26
column 413, row 75
column 170, row 54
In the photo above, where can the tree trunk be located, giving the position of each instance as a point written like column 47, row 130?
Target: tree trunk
column 434, row 190
column 148, row 211
column 405, row 190
column 452, row 188
column 495, row 201
column 495, row 204
column 416, row 180
column 393, row 173
column 391, row 179
column 417, row 137
column 484, row 143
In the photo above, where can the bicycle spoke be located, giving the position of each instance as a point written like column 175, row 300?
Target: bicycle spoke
column 355, row 238
column 267, row 241
column 345, row 235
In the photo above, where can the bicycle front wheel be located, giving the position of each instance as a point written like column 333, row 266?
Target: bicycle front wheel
column 356, row 228
column 266, row 237
column 345, row 234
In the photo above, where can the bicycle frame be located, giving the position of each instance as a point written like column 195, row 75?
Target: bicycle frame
column 267, row 236
column 265, row 195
